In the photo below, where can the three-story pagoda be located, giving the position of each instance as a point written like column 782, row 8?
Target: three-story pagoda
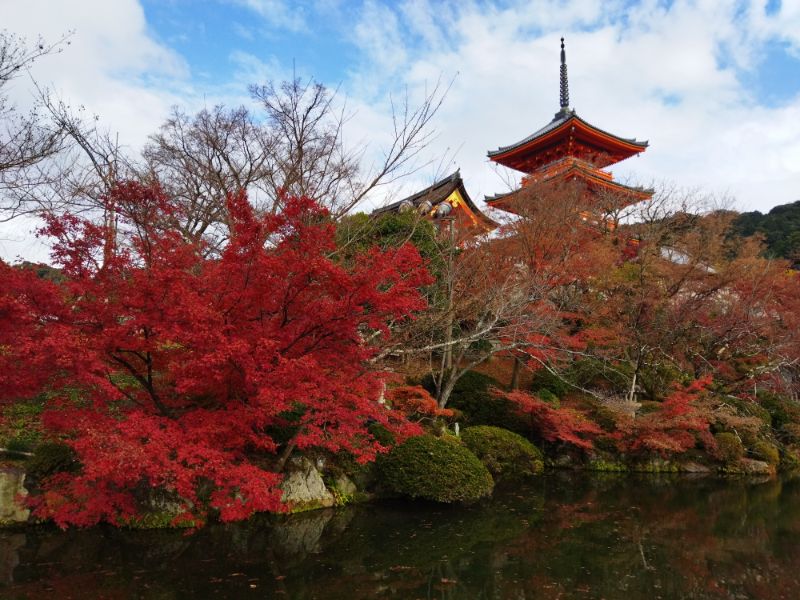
column 569, row 150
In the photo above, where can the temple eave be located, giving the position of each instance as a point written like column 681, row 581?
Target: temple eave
column 451, row 191
column 565, row 132
column 595, row 182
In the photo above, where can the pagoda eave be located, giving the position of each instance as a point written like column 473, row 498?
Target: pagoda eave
column 567, row 135
column 598, row 185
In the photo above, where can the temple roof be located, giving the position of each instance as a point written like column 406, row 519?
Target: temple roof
column 437, row 193
column 575, row 169
column 566, row 135
column 563, row 117
column 567, row 125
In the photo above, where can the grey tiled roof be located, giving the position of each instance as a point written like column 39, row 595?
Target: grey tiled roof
column 443, row 187
column 438, row 192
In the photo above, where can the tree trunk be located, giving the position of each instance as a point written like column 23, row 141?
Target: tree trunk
column 285, row 454
column 447, row 389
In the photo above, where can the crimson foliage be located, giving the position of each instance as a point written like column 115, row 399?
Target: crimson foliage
column 674, row 429
column 166, row 369
column 553, row 424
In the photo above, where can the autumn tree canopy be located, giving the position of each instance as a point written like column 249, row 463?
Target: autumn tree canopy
column 165, row 369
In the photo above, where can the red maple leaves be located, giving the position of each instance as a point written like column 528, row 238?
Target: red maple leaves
column 167, row 369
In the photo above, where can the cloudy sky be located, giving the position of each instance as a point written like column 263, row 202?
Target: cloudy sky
column 714, row 85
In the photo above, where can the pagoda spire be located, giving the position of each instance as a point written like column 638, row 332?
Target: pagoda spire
column 564, row 95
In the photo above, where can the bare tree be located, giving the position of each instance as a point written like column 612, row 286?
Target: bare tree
column 311, row 157
column 26, row 138
column 296, row 147
column 201, row 159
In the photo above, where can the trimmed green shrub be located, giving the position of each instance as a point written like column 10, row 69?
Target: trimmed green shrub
column 507, row 455
column 18, row 444
column 382, row 435
column 767, row 452
column 50, row 458
column 729, row 447
column 438, row 469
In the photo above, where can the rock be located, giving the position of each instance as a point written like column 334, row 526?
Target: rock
column 303, row 487
column 11, row 486
column 693, row 467
column 345, row 485
column 750, row 466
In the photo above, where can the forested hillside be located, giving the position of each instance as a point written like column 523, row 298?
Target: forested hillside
column 780, row 227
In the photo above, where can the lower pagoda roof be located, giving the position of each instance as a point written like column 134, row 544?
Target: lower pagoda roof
column 450, row 190
column 571, row 169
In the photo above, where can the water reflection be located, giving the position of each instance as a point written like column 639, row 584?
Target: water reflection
column 560, row 537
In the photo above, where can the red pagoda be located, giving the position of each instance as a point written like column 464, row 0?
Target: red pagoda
column 569, row 150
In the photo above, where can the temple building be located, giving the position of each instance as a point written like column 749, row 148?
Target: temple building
column 446, row 201
column 570, row 149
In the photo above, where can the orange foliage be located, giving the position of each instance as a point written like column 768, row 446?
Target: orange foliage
column 416, row 403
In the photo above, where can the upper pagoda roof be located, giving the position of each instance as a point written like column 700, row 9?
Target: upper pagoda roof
column 567, row 122
column 567, row 134
column 444, row 190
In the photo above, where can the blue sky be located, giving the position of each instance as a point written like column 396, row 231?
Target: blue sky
column 714, row 85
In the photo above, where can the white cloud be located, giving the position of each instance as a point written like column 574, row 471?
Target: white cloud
column 667, row 73
column 113, row 67
column 278, row 13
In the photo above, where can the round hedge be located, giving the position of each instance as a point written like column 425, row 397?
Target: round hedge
column 507, row 455
column 438, row 469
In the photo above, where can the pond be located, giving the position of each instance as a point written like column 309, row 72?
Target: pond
column 561, row 536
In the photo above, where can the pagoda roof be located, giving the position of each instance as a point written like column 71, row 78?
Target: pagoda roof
column 578, row 169
column 567, row 125
column 439, row 192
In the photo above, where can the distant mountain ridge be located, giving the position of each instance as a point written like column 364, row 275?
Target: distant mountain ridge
column 780, row 227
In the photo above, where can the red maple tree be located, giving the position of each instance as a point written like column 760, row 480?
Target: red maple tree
column 553, row 423
column 167, row 369
column 676, row 427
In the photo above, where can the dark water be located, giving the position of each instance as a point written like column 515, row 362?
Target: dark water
column 559, row 537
